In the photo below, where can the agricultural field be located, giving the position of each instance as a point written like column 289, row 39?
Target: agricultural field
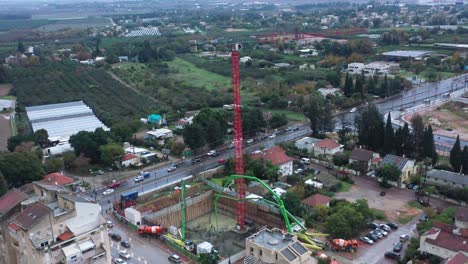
column 79, row 23
column 16, row 24
column 65, row 82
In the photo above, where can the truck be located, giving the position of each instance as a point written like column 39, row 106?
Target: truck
column 344, row 245
column 150, row 230
column 128, row 199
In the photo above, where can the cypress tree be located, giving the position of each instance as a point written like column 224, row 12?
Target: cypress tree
column 348, row 86
column 388, row 136
column 359, row 88
column 465, row 160
column 456, row 155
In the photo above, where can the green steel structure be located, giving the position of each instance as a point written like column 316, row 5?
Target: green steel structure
column 279, row 202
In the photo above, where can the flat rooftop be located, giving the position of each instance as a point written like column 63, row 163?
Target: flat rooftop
column 406, row 53
column 273, row 239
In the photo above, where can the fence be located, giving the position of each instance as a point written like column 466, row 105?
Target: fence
column 181, row 250
column 233, row 258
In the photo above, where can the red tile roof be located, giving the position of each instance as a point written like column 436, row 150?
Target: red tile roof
column 316, row 199
column 459, row 258
column 327, row 143
column 31, row 215
column 10, row 200
column 14, row 226
column 57, row 179
column 277, row 155
column 129, row 156
column 65, row 236
column 449, row 240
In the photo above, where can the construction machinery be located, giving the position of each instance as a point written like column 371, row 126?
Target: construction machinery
column 343, row 245
column 150, row 230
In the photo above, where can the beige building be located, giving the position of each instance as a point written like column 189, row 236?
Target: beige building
column 53, row 226
column 407, row 167
column 272, row 246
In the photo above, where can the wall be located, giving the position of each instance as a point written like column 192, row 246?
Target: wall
column 170, row 216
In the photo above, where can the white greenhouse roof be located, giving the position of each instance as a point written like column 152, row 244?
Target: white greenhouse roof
column 63, row 120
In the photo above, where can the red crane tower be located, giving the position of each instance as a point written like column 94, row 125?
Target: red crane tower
column 238, row 139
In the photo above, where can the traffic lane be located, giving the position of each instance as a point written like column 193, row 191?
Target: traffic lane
column 142, row 250
column 374, row 254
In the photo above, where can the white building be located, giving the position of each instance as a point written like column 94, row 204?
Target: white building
column 379, row 68
column 278, row 157
column 161, row 133
column 306, row 143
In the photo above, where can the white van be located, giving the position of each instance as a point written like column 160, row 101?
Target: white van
column 305, row 161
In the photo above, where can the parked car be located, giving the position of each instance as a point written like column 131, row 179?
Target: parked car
column 221, row 161
column 373, row 237
column 353, row 110
column 139, row 178
column 385, row 227
column 174, row 258
column 295, row 128
column 196, row 160
column 411, row 185
column 108, row 192
column 383, row 232
column 171, row 168
column 212, row 153
column 305, row 160
column 373, row 225
column 119, row 261
column 392, row 255
column 289, row 128
column 367, row 240
column 109, row 224
column 404, row 237
column 298, row 171
column 392, row 225
column 272, row 136
column 250, row 141
column 124, row 254
column 423, row 217
column 377, row 234
column 116, row 237
column 125, row 244
column 398, row 246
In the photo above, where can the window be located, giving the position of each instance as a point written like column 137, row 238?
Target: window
column 260, row 252
column 251, row 249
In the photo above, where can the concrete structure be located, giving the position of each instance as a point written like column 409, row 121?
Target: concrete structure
column 447, row 178
column 362, row 156
column 158, row 134
column 306, row 143
column 63, row 120
column 272, row 246
column 51, row 226
column 406, row 166
column 278, row 157
column 327, row 146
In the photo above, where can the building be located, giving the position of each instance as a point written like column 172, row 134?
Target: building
column 7, row 105
column 245, row 59
column 377, row 68
column 57, row 178
column 355, row 68
column 406, row 54
column 277, row 156
column 316, row 200
column 445, row 241
column 327, row 147
column 406, row 166
column 271, row 246
column 63, row 120
column 361, row 156
column 306, row 143
column 158, row 134
column 451, row 46
column 446, row 178
column 282, row 65
column 459, row 258
column 183, row 122
column 130, row 159
column 156, row 119
column 329, row 91
column 461, row 217
column 49, row 225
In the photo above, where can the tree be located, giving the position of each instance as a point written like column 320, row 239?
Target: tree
column 176, row 147
column 209, row 258
column 110, row 153
column 252, row 121
column 194, row 136
column 464, row 156
column 320, row 113
column 293, row 202
column 41, row 137
column 348, row 86
column 388, row 172
column 89, row 143
column 68, row 158
column 417, row 135
column 388, row 136
column 407, row 142
column 456, row 155
column 370, row 128
column 20, row 168
column 429, row 149
column 15, row 141
column 20, row 47
column 3, row 185
column 347, row 220
column 278, row 120
column 359, row 87
column 3, row 74
column 54, row 165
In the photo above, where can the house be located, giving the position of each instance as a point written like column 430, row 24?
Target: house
column 355, row 68
column 156, row 119
column 245, row 59
column 361, row 156
column 279, row 191
column 282, row 65
column 406, row 166
column 306, row 143
column 316, row 200
column 459, row 258
column 314, row 184
column 130, row 159
column 327, row 147
column 183, row 122
column 329, row 91
column 157, row 134
column 123, row 59
column 446, row 178
column 57, row 178
column 444, row 241
column 277, row 156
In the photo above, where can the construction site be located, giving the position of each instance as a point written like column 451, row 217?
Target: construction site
column 201, row 217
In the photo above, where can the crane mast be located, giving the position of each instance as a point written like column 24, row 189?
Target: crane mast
column 238, row 139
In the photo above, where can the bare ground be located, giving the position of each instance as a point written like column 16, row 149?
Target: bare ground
column 5, row 131
column 5, row 89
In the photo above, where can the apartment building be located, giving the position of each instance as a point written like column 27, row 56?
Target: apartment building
column 376, row 68
column 51, row 225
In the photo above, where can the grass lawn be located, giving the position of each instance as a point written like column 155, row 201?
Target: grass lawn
column 196, row 76
column 415, row 204
column 379, row 214
column 344, row 187
column 293, row 116
column 8, row 97
column 404, row 219
column 218, row 181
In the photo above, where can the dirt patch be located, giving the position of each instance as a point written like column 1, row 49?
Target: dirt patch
column 394, row 205
column 5, row 89
column 5, row 131
column 449, row 119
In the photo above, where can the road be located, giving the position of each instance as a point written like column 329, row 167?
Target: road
column 161, row 178
column 411, row 98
